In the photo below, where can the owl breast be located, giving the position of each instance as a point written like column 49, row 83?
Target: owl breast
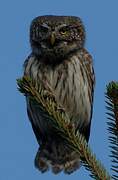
column 68, row 81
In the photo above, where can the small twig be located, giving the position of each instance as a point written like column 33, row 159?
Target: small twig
column 112, row 96
column 61, row 122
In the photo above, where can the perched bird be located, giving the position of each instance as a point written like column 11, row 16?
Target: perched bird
column 60, row 61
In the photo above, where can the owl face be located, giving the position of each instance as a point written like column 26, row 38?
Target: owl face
column 55, row 37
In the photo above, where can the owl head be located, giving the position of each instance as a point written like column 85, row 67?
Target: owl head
column 55, row 37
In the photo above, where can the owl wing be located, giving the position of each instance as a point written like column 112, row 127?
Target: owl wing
column 40, row 121
column 30, row 111
column 32, row 108
column 87, row 63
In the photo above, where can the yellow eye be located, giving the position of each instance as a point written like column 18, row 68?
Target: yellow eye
column 63, row 32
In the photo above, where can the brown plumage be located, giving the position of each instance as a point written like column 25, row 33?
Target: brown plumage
column 60, row 62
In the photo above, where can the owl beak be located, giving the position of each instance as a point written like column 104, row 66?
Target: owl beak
column 52, row 39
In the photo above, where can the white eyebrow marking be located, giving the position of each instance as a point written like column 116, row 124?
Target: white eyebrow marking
column 61, row 26
column 45, row 25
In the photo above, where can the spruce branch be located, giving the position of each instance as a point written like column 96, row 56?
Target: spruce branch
column 61, row 123
column 112, row 106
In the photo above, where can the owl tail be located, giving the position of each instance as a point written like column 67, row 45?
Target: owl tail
column 57, row 157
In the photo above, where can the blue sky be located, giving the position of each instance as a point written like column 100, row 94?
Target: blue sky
column 18, row 144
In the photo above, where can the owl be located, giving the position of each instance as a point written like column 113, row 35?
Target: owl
column 60, row 62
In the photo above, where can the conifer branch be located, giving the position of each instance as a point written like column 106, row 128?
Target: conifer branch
column 112, row 106
column 61, row 122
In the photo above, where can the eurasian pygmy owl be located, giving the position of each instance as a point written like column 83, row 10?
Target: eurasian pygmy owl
column 60, row 61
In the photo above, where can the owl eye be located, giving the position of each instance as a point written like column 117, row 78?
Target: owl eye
column 63, row 31
column 43, row 29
